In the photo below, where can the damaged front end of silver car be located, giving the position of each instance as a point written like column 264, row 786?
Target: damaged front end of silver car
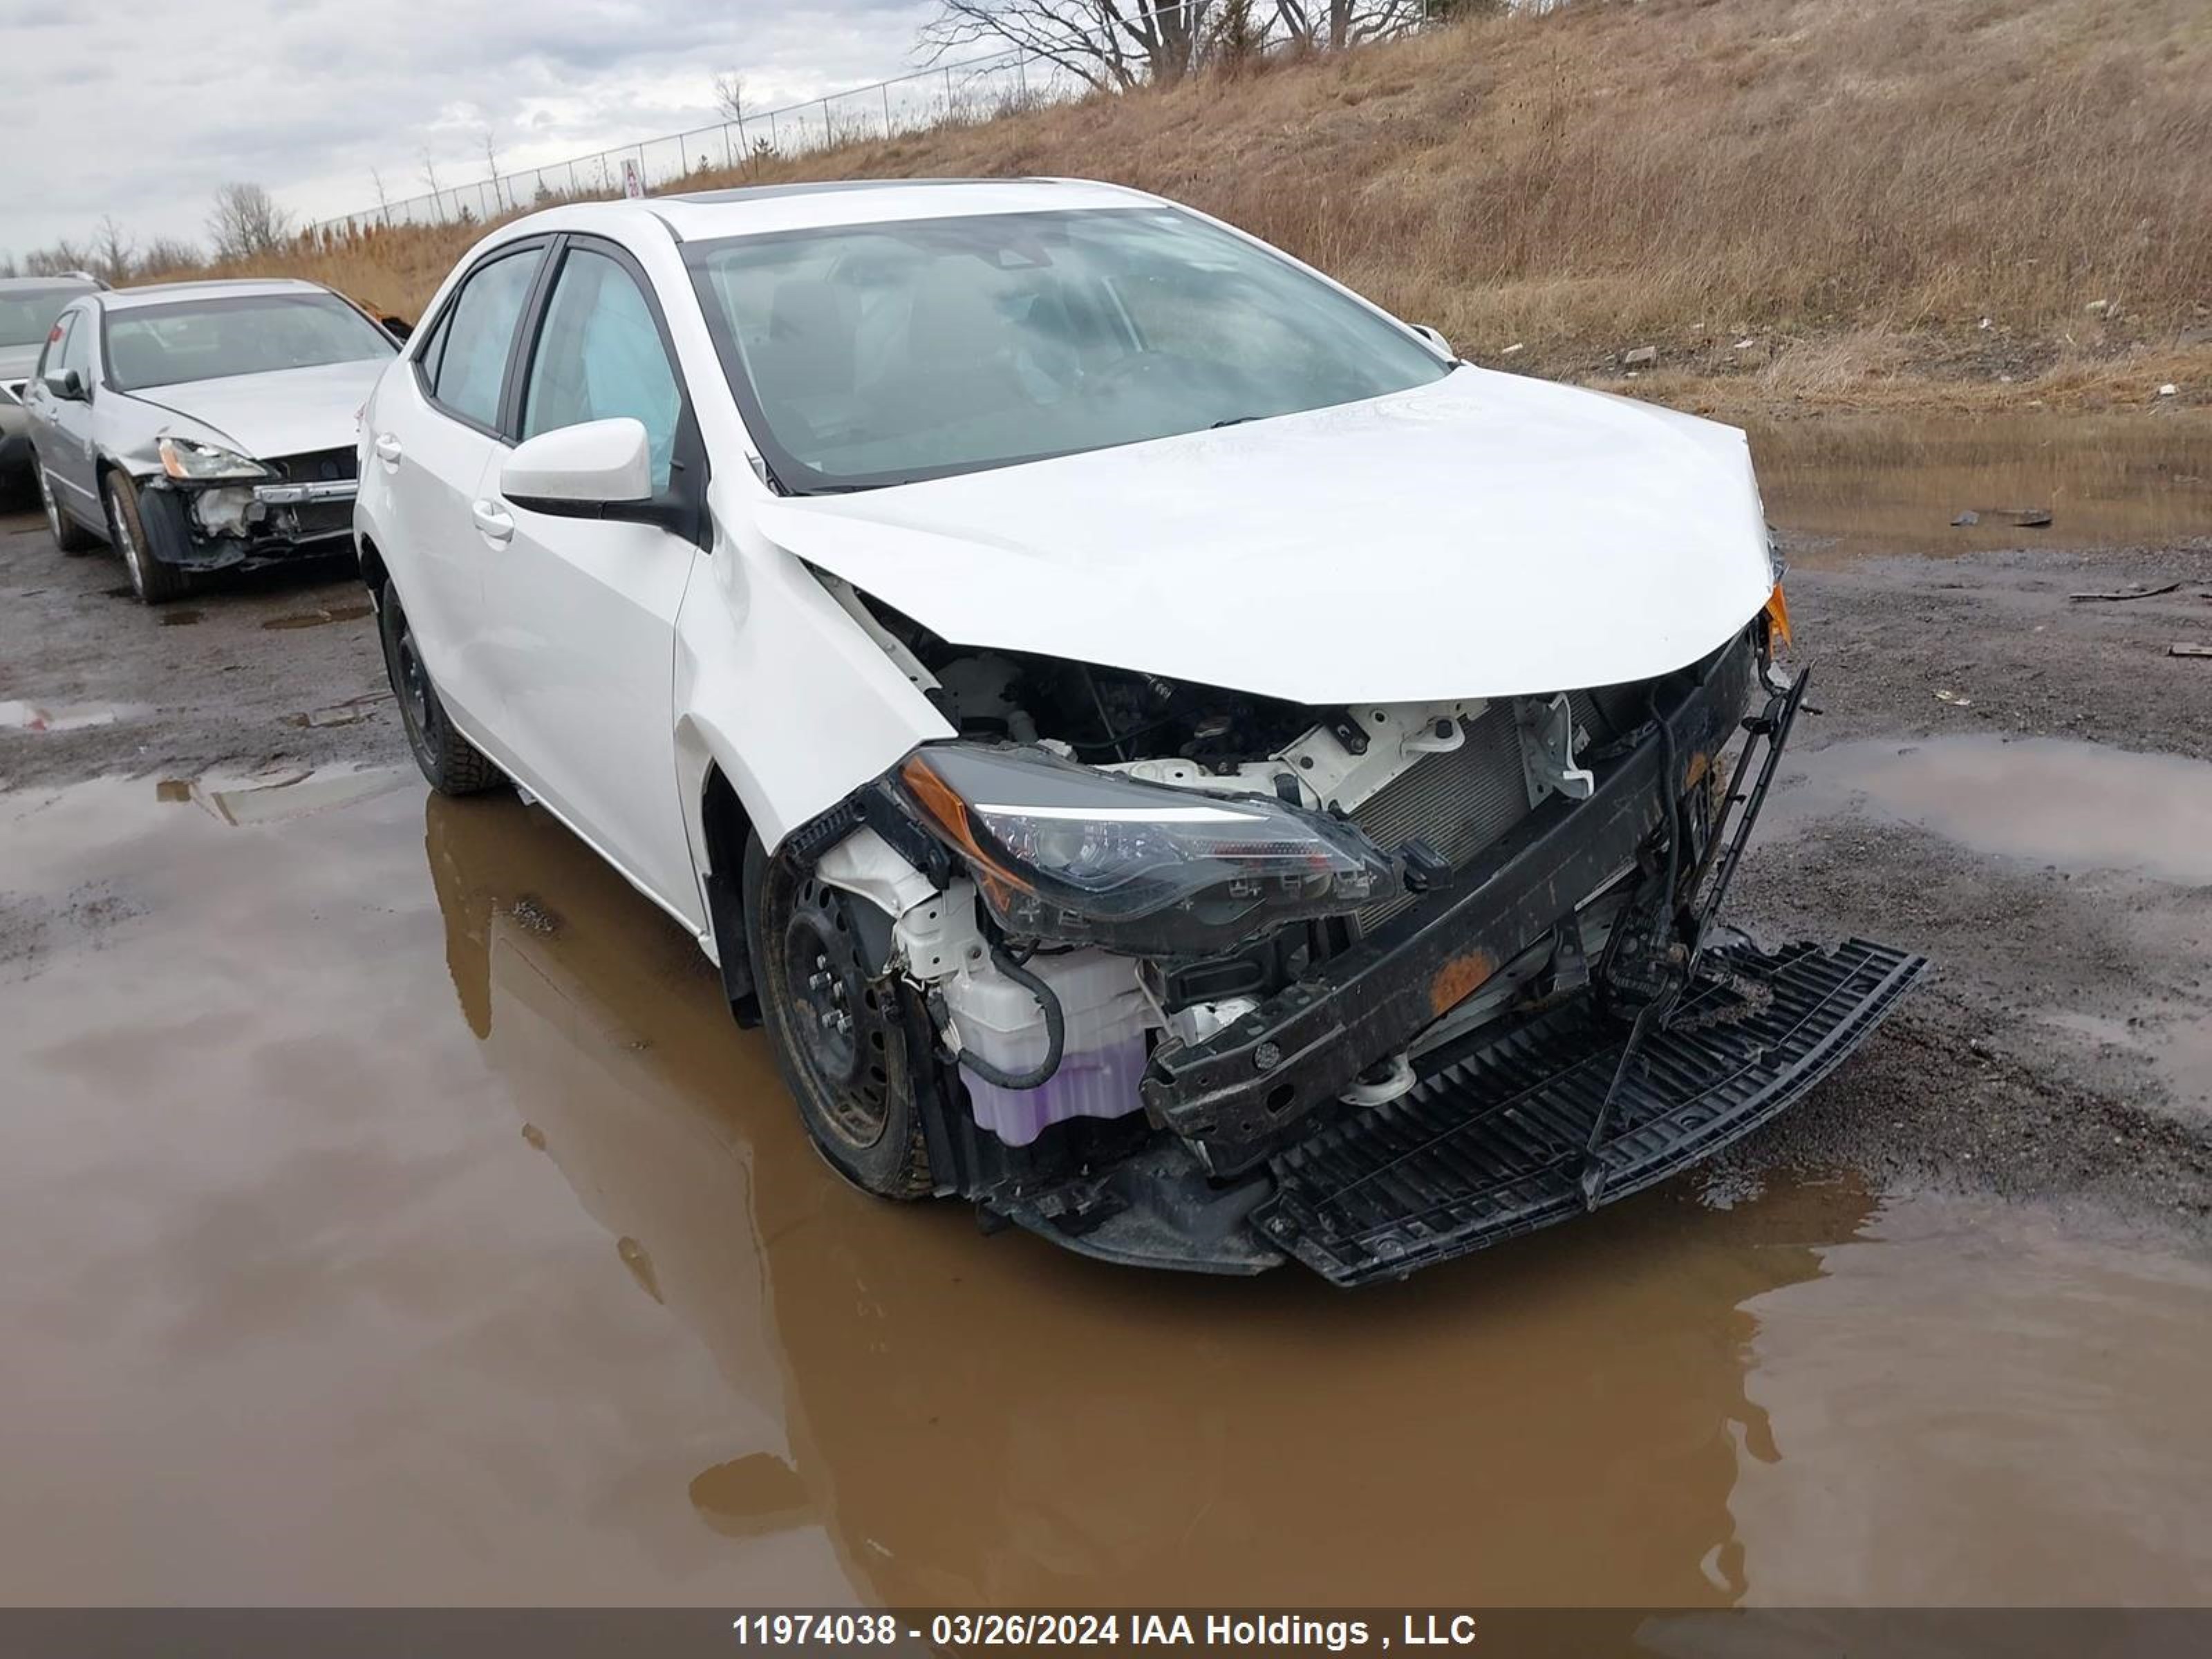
column 1205, row 981
column 207, row 508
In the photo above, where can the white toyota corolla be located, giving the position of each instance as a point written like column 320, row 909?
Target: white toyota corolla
column 1169, row 754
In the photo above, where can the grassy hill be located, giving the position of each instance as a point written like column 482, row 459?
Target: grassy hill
column 1888, row 199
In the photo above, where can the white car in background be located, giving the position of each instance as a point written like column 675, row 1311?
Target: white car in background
column 1169, row 755
column 196, row 427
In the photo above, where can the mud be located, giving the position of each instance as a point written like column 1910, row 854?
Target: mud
column 398, row 1217
column 435, row 1237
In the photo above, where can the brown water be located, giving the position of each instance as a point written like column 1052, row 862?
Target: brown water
column 393, row 1214
column 1854, row 485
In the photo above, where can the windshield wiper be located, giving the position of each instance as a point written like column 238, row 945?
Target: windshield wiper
column 1235, row 420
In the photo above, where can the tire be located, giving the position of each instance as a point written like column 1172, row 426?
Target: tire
column 151, row 580
column 855, row 1088
column 450, row 763
column 69, row 535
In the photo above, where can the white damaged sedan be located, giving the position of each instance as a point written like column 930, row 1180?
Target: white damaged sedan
column 1168, row 755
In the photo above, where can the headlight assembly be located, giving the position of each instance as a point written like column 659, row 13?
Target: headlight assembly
column 191, row 462
column 1065, row 851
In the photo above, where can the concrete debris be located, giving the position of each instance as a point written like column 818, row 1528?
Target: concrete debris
column 1641, row 357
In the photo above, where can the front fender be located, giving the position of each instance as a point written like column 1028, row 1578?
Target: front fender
column 780, row 690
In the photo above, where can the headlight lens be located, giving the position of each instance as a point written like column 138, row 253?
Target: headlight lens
column 1064, row 852
column 184, row 459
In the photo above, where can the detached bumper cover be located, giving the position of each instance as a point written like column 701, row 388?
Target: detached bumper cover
column 1490, row 1144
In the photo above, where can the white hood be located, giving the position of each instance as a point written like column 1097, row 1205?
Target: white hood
column 292, row 411
column 1486, row 535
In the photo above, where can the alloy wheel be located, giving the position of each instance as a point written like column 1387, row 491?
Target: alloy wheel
column 119, row 526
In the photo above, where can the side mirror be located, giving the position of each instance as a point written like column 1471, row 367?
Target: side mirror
column 1434, row 339
column 397, row 327
column 600, row 470
column 68, row 387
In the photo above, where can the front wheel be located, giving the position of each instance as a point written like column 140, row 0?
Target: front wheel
column 452, row 764
column 69, row 535
column 840, row 1038
column 151, row 580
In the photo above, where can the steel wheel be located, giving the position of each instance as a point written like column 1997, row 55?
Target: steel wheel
column 842, row 1030
column 840, row 1038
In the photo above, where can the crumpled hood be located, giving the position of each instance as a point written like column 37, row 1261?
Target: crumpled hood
column 1486, row 535
column 292, row 411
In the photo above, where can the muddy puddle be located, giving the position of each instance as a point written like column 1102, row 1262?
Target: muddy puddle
column 1848, row 486
column 2079, row 806
column 393, row 1214
column 2134, row 829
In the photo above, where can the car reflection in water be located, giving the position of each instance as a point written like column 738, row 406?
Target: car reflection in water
column 994, row 1422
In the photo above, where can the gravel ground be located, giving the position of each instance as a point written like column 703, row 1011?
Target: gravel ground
column 2053, row 1056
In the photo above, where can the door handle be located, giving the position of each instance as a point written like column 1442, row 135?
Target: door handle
column 493, row 523
column 388, row 450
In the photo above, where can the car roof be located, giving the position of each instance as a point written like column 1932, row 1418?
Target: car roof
column 707, row 215
column 125, row 298
column 30, row 284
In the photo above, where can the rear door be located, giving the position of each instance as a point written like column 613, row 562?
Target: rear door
column 436, row 432
column 583, row 633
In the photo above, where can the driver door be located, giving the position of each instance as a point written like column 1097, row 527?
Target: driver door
column 66, row 450
column 580, row 614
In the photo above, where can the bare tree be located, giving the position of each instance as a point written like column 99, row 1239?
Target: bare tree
column 491, row 169
column 1336, row 24
column 730, row 96
column 166, row 253
column 430, row 171
column 383, row 200
column 113, row 254
column 1110, row 46
column 246, row 223
column 61, row 257
column 8, row 267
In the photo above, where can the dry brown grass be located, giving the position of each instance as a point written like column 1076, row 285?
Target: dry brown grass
column 1848, row 179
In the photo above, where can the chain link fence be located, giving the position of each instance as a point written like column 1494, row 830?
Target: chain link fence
column 976, row 90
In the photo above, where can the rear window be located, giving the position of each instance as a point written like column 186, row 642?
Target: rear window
column 27, row 315
column 216, row 339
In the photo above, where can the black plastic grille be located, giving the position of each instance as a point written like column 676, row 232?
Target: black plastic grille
column 320, row 466
column 1490, row 1144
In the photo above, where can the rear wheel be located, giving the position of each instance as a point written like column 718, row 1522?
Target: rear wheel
column 841, row 1038
column 69, row 535
column 154, row 582
column 453, row 764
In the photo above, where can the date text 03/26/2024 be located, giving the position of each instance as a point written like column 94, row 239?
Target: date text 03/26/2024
column 954, row 1631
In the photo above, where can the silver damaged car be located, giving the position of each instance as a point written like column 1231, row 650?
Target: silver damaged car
column 203, row 426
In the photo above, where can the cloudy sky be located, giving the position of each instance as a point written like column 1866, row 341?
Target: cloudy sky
column 142, row 110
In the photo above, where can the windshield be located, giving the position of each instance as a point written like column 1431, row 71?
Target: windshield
column 214, row 339
column 869, row 354
column 27, row 315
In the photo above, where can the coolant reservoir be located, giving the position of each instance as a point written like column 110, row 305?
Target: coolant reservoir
column 1104, row 1056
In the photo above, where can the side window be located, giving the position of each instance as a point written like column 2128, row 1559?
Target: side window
column 599, row 356
column 76, row 352
column 50, row 359
column 466, row 365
